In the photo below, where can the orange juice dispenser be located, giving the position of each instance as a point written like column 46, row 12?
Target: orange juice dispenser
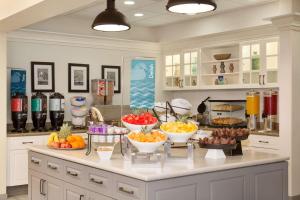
column 252, row 109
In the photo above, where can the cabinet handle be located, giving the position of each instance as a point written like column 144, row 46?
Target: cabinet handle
column 52, row 166
column 34, row 161
column 72, row 173
column 263, row 79
column 81, row 197
column 96, row 181
column 42, row 182
column 126, row 191
column 27, row 142
column 264, row 142
column 259, row 79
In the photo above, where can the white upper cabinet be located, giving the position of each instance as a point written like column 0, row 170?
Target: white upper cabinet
column 181, row 70
column 252, row 64
column 259, row 61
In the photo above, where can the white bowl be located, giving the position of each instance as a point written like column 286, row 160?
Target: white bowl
column 105, row 152
column 134, row 127
column 181, row 106
column 78, row 101
column 146, row 147
column 179, row 137
column 78, row 121
column 79, row 111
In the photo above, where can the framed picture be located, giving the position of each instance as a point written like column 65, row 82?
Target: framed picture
column 79, row 77
column 42, row 77
column 112, row 73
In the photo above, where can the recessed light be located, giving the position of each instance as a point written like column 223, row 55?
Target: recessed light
column 139, row 14
column 129, row 2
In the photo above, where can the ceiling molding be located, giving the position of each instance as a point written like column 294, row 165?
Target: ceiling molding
column 65, row 39
column 287, row 22
column 223, row 39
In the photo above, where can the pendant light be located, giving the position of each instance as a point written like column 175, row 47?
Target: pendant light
column 191, row 6
column 111, row 19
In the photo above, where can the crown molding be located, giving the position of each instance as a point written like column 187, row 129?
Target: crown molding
column 287, row 21
column 65, row 39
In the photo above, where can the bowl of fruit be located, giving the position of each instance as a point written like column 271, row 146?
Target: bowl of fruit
column 147, row 142
column 179, row 131
column 64, row 140
column 145, row 121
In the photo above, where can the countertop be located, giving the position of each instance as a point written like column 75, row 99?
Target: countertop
column 30, row 133
column 172, row 168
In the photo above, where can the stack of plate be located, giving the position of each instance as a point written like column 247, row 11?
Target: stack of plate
column 79, row 111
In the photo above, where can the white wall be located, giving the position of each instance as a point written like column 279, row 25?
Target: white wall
column 2, row 114
column 22, row 51
column 243, row 18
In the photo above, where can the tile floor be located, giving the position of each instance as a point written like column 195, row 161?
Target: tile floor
column 19, row 197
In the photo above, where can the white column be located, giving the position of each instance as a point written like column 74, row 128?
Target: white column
column 289, row 101
column 3, row 115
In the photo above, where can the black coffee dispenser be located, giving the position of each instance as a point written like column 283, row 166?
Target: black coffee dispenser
column 39, row 111
column 56, row 108
column 19, row 109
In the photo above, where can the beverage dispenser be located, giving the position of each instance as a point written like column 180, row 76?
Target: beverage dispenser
column 19, row 109
column 102, row 91
column 56, row 107
column 39, row 111
column 270, row 110
column 252, row 109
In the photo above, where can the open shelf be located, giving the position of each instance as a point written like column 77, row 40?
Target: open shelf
column 222, row 74
column 219, row 61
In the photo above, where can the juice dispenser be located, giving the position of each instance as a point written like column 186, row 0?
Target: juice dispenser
column 270, row 110
column 252, row 109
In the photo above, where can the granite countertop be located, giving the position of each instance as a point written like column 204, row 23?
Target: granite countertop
column 16, row 134
column 171, row 168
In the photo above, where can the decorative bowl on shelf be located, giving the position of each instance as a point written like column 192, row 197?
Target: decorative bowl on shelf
column 146, row 147
column 223, row 56
column 135, row 127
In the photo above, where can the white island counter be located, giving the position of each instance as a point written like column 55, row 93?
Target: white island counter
column 255, row 174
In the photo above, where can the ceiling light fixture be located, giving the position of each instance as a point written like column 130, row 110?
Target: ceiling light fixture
column 191, row 6
column 129, row 2
column 139, row 14
column 110, row 19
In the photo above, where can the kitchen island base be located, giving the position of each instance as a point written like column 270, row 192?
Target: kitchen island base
column 52, row 178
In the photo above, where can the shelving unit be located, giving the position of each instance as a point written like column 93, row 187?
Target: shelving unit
column 255, row 65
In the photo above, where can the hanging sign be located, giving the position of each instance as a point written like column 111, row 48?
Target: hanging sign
column 142, row 84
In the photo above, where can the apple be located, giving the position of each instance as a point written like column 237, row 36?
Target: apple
column 55, row 144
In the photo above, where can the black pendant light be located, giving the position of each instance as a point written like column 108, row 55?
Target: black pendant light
column 191, row 6
column 111, row 19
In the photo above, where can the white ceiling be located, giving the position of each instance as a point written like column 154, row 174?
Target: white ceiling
column 155, row 13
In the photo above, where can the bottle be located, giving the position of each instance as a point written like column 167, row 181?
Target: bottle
column 255, row 61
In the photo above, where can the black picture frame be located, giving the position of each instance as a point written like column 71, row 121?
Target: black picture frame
column 86, row 87
column 41, row 85
column 117, row 69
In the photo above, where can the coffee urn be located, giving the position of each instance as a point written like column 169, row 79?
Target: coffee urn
column 252, row 109
column 56, row 108
column 270, row 110
column 39, row 111
column 19, row 109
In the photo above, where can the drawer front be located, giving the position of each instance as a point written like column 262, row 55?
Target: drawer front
column 128, row 189
column 74, row 173
column 54, row 167
column 264, row 142
column 37, row 162
column 99, row 181
column 14, row 143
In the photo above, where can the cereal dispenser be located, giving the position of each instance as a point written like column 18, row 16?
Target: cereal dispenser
column 270, row 110
column 252, row 109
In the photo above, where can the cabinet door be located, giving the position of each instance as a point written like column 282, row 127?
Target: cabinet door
column 251, row 63
column 36, row 185
column 18, row 167
column 75, row 193
column 54, row 189
column 95, row 196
